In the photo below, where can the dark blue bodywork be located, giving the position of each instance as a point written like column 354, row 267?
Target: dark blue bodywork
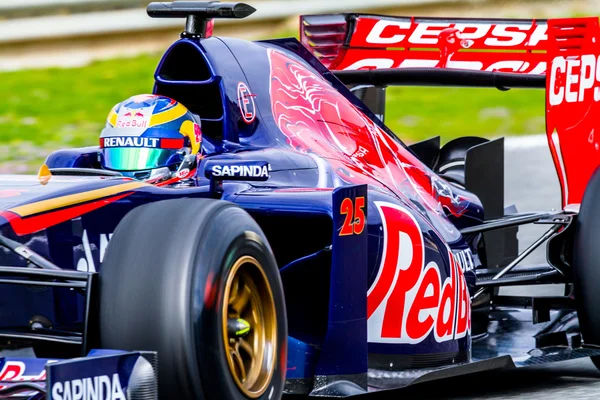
column 325, row 276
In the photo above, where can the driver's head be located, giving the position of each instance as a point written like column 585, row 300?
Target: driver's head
column 151, row 138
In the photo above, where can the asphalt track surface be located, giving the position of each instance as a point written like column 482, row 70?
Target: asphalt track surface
column 530, row 184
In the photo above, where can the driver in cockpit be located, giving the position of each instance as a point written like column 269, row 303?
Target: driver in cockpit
column 152, row 138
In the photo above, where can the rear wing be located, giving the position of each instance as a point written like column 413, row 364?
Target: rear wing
column 351, row 42
column 560, row 55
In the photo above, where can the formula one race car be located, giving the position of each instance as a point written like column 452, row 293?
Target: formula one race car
column 302, row 247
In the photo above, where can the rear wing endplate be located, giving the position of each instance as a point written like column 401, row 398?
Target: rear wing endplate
column 573, row 103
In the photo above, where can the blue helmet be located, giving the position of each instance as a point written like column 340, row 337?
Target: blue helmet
column 147, row 134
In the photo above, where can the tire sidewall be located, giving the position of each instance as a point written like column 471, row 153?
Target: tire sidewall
column 197, row 259
column 586, row 262
column 214, row 260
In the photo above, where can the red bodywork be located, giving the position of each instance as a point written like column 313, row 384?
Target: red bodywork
column 572, row 101
column 570, row 46
column 357, row 149
column 402, row 42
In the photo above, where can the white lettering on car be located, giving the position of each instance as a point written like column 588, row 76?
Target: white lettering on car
column 87, row 263
column 506, row 35
column 503, row 66
column 131, row 142
column 574, row 80
column 375, row 36
column 390, row 32
column 477, row 35
column 408, row 299
column 427, row 33
column 250, row 171
column 97, row 388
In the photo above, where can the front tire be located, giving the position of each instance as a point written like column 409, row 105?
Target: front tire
column 180, row 277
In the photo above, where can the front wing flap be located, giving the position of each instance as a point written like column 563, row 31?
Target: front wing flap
column 104, row 374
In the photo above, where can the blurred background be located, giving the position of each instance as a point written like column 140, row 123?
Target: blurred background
column 65, row 63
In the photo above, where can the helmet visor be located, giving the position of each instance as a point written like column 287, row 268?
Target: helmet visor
column 137, row 159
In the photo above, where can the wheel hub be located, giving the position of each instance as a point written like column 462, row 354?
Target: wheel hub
column 249, row 327
column 237, row 328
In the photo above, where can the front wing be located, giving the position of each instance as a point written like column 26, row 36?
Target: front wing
column 104, row 374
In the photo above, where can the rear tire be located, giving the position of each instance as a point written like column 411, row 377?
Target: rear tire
column 586, row 264
column 174, row 274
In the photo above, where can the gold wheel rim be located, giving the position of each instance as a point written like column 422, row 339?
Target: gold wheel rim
column 250, row 356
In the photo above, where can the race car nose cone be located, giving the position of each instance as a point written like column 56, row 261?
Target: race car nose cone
column 237, row 327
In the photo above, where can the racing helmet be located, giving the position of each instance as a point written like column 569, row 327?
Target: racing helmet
column 151, row 138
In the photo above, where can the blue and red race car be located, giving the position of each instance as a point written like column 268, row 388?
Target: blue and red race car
column 305, row 249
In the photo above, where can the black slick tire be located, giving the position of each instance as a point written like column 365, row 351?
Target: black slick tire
column 586, row 264
column 162, row 287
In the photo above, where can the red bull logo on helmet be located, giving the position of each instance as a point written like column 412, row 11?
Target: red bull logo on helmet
column 134, row 118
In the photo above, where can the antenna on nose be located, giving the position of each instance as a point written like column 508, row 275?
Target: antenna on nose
column 199, row 14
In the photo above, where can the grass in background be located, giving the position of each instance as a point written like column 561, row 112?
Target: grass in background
column 417, row 113
column 44, row 110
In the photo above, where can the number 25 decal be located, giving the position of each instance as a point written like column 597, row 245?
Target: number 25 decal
column 354, row 223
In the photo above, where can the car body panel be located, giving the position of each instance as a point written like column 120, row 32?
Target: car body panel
column 348, row 147
column 390, row 295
